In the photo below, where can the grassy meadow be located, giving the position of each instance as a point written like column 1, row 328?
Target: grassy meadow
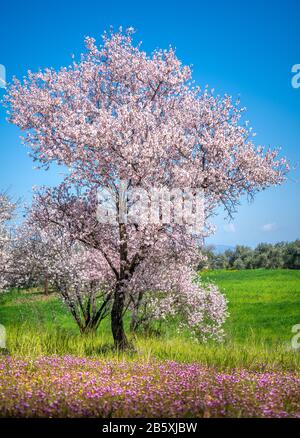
column 50, row 370
column 263, row 306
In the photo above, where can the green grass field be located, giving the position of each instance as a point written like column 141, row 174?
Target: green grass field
column 263, row 305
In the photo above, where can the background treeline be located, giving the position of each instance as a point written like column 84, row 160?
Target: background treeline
column 265, row 255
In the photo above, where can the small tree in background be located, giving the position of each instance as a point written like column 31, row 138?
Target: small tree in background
column 7, row 208
column 73, row 271
column 265, row 255
column 291, row 256
column 120, row 114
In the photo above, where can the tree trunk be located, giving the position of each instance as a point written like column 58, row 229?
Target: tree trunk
column 117, row 324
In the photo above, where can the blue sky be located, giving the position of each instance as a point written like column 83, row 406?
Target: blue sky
column 246, row 49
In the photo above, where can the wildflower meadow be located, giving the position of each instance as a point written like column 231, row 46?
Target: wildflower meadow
column 149, row 222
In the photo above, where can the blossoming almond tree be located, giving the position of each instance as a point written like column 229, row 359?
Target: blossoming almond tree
column 120, row 114
column 158, row 270
column 73, row 270
column 6, row 211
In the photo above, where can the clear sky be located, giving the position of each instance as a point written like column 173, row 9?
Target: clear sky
column 245, row 49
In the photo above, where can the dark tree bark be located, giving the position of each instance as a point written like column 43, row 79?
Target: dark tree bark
column 85, row 313
column 117, row 323
column 127, row 269
column 117, row 311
